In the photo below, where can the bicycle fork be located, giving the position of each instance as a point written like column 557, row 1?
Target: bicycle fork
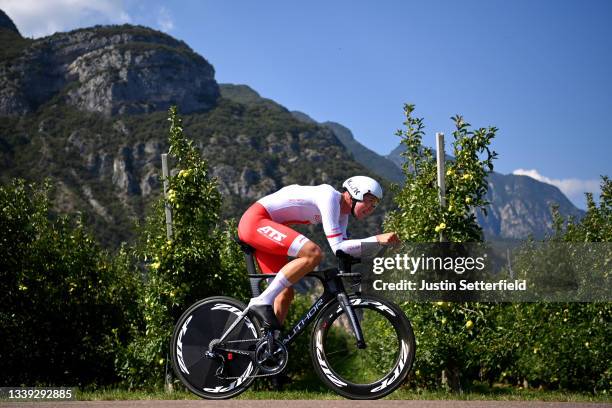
column 350, row 312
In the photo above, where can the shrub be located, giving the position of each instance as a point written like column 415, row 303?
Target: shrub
column 553, row 345
column 64, row 304
column 200, row 259
column 444, row 331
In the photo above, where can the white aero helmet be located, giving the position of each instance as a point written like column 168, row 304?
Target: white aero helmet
column 358, row 186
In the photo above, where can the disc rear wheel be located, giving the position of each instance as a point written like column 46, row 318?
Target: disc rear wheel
column 222, row 373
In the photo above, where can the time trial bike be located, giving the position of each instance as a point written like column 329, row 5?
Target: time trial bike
column 361, row 346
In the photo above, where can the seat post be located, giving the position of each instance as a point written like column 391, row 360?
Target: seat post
column 250, row 264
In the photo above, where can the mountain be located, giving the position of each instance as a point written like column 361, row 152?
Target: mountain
column 7, row 24
column 362, row 154
column 87, row 109
column 112, row 70
column 519, row 206
column 245, row 95
column 302, row 117
column 396, row 156
column 11, row 41
column 371, row 160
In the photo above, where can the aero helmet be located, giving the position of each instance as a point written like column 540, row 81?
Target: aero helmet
column 359, row 186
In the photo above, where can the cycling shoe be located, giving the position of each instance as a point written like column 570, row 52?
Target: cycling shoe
column 265, row 314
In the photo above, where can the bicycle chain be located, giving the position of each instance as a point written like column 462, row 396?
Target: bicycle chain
column 241, row 341
column 250, row 376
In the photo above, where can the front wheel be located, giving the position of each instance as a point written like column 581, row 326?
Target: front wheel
column 368, row 373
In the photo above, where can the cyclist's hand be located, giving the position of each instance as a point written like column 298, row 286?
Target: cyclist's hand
column 390, row 238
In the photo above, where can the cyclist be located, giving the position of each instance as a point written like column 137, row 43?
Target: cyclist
column 264, row 226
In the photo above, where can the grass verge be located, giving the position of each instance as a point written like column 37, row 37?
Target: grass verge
column 489, row 394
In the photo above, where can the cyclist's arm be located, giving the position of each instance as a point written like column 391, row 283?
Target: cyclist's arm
column 335, row 228
column 351, row 246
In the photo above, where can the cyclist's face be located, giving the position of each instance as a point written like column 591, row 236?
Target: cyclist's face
column 366, row 207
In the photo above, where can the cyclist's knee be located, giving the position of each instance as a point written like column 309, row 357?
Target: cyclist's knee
column 312, row 252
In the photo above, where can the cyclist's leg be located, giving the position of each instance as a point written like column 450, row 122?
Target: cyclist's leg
column 282, row 303
column 280, row 291
column 307, row 258
column 269, row 263
column 273, row 242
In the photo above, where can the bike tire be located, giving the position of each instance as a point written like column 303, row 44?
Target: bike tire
column 369, row 373
column 201, row 323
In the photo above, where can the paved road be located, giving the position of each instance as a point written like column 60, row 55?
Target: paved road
column 306, row 404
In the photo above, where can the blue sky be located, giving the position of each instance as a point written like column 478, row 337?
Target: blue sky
column 540, row 71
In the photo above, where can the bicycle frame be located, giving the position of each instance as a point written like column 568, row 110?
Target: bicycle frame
column 333, row 289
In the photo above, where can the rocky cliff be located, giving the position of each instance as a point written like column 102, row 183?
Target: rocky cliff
column 7, row 24
column 112, row 70
column 87, row 109
column 521, row 206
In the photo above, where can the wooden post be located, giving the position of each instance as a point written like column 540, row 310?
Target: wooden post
column 168, row 375
column 164, row 157
column 441, row 175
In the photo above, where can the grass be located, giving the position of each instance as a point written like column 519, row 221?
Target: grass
column 483, row 393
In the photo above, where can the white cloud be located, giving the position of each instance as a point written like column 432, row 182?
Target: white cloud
column 573, row 188
column 164, row 20
column 36, row 18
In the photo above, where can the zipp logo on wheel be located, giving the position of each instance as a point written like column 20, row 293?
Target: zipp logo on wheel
column 271, row 233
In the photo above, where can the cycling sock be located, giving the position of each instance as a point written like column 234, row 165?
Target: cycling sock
column 275, row 287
